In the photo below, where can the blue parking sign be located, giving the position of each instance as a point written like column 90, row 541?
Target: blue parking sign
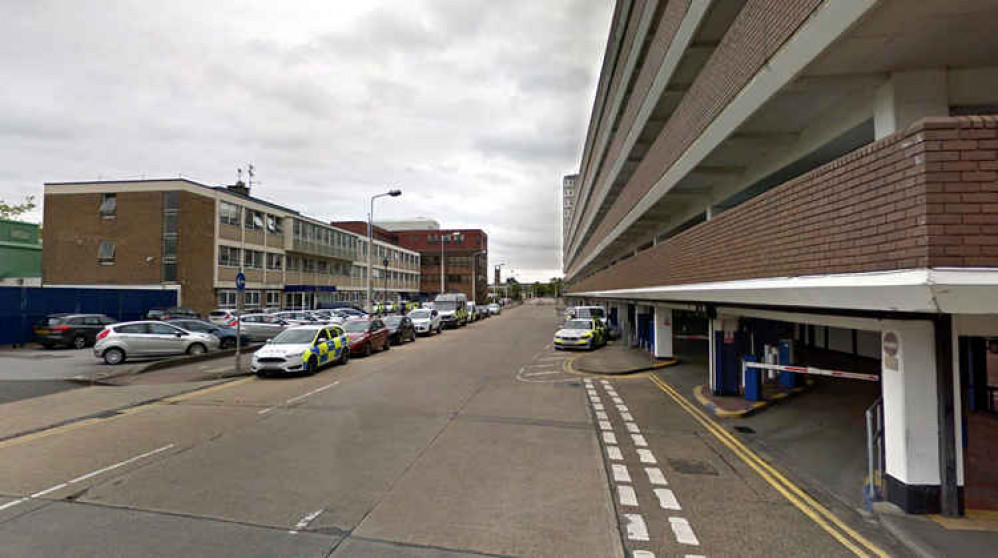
column 240, row 281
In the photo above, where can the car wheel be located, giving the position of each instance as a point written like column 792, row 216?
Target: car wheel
column 229, row 343
column 412, row 336
column 47, row 346
column 368, row 349
column 79, row 342
column 345, row 355
column 196, row 349
column 388, row 343
column 114, row 356
column 312, row 367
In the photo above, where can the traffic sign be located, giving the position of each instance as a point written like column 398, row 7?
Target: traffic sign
column 240, row 281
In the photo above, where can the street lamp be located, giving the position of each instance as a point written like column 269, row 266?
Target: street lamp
column 370, row 240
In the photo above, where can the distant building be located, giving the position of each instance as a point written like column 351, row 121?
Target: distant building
column 409, row 224
column 20, row 253
column 568, row 188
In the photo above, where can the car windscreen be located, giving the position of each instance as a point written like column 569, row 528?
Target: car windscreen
column 356, row 327
column 445, row 305
column 392, row 321
column 578, row 324
column 590, row 313
column 419, row 314
column 295, row 336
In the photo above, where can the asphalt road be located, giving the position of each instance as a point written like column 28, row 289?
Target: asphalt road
column 473, row 443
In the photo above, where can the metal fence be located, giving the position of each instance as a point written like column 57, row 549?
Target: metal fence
column 20, row 307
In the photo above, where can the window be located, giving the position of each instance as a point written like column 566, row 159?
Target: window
column 294, row 263
column 275, row 262
column 228, row 213
column 132, row 329
column 273, row 299
column 253, row 259
column 308, row 265
column 105, row 253
column 226, row 299
column 274, row 225
column 171, row 200
column 228, row 256
column 254, row 220
column 108, row 205
column 162, row 329
column 170, row 221
column 251, row 299
column 323, row 266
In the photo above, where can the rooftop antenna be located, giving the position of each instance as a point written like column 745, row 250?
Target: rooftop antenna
column 250, row 173
column 239, row 176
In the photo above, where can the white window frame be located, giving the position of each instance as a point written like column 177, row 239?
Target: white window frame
column 106, row 252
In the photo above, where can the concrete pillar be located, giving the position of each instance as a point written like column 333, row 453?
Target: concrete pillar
column 663, row 333
column 911, row 421
column 908, row 97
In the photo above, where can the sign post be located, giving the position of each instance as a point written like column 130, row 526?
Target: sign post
column 240, row 289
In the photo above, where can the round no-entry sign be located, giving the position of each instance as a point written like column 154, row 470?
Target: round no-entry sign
column 240, row 281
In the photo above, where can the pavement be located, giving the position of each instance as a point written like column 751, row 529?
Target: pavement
column 478, row 442
column 617, row 358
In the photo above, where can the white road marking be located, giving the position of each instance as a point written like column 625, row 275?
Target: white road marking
column 618, row 400
column 541, row 374
column 13, row 503
column 666, row 499
column 605, row 425
column 623, row 408
column 684, row 533
column 598, row 406
column 303, row 522
column 632, row 427
column 601, row 415
column 626, row 416
column 310, row 393
column 655, row 476
column 612, row 391
column 620, row 473
column 636, row 528
column 614, row 453
column 639, row 440
column 265, row 411
column 604, row 382
column 627, row 495
column 49, row 490
column 646, row 456
column 610, row 437
column 642, row 554
column 551, row 358
column 694, row 556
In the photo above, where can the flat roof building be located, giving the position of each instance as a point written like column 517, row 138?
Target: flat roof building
column 820, row 173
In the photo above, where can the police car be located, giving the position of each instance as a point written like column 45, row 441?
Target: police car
column 302, row 349
column 579, row 333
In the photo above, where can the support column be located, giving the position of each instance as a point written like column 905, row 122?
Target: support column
column 908, row 97
column 663, row 333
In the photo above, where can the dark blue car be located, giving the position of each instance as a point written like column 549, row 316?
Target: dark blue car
column 226, row 335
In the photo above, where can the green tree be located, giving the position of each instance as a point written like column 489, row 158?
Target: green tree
column 10, row 211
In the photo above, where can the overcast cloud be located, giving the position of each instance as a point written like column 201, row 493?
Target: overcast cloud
column 475, row 108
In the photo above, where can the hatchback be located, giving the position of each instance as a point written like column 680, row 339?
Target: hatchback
column 70, row 330
column 367, row 336
column 226, row 335
column 126, row 340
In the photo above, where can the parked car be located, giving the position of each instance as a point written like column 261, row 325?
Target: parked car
column 453, row 308
column 296, row 317
column 302, row 349
column 581, row 333
column 226, row 335
column 474, row 312
column 426, row 321
column 327, row 316
column 495, row 309
column 69, row 330
column 260, row 327
column 367, row 335
column 400, row 328
column 119, row 342
column 223, row 317
column 171, row 312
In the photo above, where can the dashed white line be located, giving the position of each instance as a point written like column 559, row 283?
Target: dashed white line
column 632, row 427
column 303, row 522
column 614, row 453
column 643, row 554
column 639, row 440
column 627, row 495
column 655, row 476
column 623, row 408
column 49, row 490
column 598, row 406
column 605, row 425
column 310, row 393
column 618, row 400
column 636, row 528
column 646, row 456
column 620, row 473
column 683, row 532
column 609, row 437
column 601, row 415
column 666, row 499
column 626, row 416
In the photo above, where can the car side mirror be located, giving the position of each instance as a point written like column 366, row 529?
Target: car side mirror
column 179, row 334
column 269, row 341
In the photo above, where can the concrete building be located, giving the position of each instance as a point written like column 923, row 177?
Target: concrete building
column 409, row 224
column 198, row 237
column 568, row 188
column 464, row 252
column 818, row 176
column 20, row 254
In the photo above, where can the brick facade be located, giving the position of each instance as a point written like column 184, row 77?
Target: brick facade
column 925, row 197
column 196, row 251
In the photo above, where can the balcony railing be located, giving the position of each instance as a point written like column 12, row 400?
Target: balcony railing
column 317, row 249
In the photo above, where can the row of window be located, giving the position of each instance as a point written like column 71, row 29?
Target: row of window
column 251, row 299
column 232, row 214
column 327, row 236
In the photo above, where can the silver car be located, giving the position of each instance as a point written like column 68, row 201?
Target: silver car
column 118, row 342
column 260, row 327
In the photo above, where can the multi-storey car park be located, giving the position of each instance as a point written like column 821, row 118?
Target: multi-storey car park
column 179, row 234
column 814, row 176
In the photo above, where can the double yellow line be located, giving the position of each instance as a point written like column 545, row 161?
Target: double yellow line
column 858, row 544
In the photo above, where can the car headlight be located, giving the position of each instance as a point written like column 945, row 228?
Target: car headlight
column 297, row 354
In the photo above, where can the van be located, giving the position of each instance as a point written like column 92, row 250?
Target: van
column 453, row 309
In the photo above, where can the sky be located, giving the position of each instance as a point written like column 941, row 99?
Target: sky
column 475, row 109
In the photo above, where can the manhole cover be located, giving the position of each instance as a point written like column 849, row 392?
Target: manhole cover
column 745, row 429
column 691, row 467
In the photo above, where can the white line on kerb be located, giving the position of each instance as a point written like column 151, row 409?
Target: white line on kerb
column 303, row 522
column 13, row 503
column 666, row 499
column 639, row 440
column 610, row 437
column 636, row 528
column 646, row 456
column 627, row 495
column 684, row 533
column 614, row 453
column 605, row 425
column 313, row 392
column 626, row 416
column 620, row 473
column 655, row 476
column 632, row 427
column 49, row 490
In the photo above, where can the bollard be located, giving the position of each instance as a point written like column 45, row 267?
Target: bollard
column 753, row 380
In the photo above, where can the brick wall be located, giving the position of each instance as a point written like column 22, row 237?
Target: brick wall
column 757, row 32
column 925, row 197
column 196, row 252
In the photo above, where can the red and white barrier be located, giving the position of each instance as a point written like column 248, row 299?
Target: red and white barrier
column 812, row 370
column 698, row 336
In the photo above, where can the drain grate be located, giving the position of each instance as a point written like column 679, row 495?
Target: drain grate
column 692, row 467
column 745, row 429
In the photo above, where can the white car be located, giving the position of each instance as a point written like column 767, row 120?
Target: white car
column 302, row 349
column 425, row 320
column 495, row 309
column 223, row 317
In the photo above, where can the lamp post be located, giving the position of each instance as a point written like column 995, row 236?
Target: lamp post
column 370, row 240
